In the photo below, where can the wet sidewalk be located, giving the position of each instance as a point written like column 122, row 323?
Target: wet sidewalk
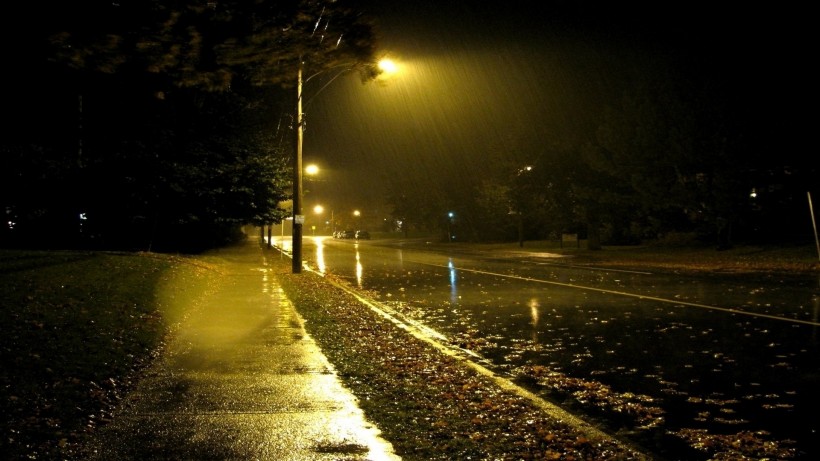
column 242, row 381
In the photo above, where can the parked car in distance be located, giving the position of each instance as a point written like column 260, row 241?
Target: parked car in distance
column 346, row 234
column 362, row 235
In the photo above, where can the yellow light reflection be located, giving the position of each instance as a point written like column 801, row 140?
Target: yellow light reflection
column 534, row 305
column 320, row 254
column 286, row 242
column 344, row 423
column 286, row 245
column 535, row 316
column 453, row 280
column 359, row 269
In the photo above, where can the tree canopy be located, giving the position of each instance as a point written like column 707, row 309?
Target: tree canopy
column 213, row 45
column 153, row 125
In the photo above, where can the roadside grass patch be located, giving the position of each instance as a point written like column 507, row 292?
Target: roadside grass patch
column 78, row 329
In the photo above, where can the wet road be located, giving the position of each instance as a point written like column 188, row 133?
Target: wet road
column 668, row 361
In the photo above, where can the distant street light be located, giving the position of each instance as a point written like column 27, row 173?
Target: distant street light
column 319, row 209
column 357, row 220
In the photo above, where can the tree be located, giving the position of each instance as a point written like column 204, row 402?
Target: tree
column 668, row 144
column 166, row 87
column 212, row 45
column 504, row 202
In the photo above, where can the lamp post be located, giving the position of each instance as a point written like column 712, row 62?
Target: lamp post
column 298, row 218
column 318, row 209
column 357, row 215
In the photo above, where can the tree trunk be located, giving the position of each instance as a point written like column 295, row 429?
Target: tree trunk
column 724, row 233
column 593, row 231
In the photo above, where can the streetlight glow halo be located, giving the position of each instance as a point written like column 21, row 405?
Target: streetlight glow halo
column 388, row 66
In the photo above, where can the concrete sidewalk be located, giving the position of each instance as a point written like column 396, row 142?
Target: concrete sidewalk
column 242, row 381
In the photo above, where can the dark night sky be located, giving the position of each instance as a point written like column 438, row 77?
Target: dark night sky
column 520, row 74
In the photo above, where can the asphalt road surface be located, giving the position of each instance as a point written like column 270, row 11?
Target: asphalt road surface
column 655, row 357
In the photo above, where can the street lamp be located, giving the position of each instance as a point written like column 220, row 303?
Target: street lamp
column 357, row 215
column 319, row 209
column 385, row 66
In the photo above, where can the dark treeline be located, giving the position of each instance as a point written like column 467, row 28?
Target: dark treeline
column 110, row 165
column 154, row 126
column 686, row 127
column 660, row 164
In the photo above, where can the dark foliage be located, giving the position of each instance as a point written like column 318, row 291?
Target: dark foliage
column 146, row 125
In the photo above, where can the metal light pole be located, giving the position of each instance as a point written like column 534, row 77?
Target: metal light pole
column 298, row 218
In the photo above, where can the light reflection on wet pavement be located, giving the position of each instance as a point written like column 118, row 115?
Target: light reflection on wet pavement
column 641, row 353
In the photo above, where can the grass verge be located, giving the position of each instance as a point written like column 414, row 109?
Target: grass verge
column 78, row 329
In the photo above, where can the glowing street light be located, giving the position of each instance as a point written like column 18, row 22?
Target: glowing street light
column 319, row 209
column 388, row 66
column 385, row 66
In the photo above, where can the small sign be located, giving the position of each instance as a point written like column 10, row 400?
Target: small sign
column 570, row 238
column 299, row 219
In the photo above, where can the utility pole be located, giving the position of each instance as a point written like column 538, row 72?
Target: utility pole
column 814, row 225
column 298, row 218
